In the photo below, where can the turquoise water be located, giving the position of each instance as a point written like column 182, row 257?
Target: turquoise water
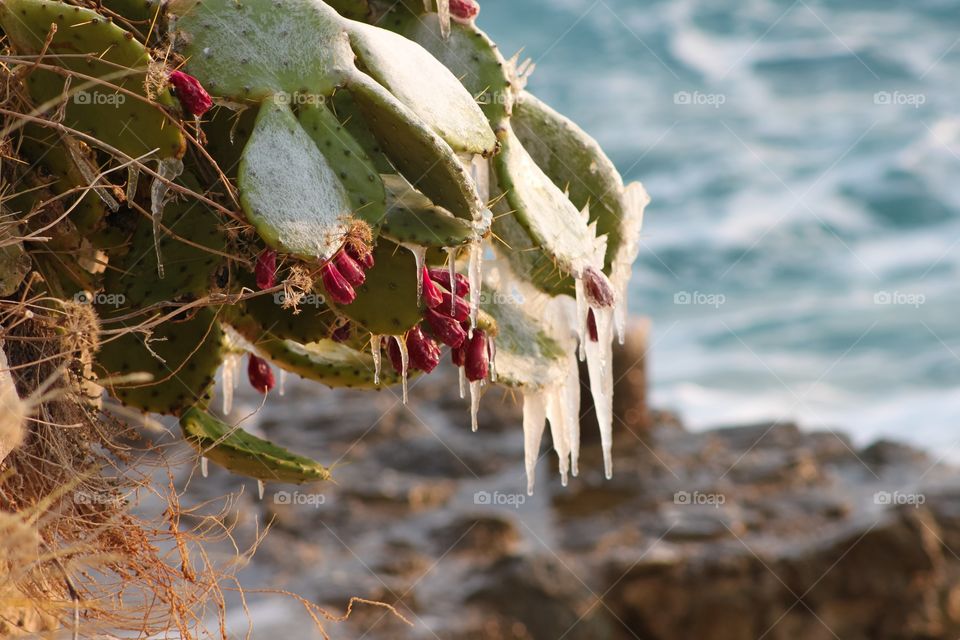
column 804, row 162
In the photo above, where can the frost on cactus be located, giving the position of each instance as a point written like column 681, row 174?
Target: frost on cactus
column 335, row 217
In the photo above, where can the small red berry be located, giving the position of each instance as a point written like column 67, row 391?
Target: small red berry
column 193, row 97
column 464, row 10
column 260, row 374
column 447, row 330
column 266, row 269
column 336, row 285
column 478, row 356
column 350, row 269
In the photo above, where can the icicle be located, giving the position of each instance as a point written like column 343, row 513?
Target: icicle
column 375, row 342
column 492, row 352
column 204, row 469
column 582, row 310
column 168, row 168
column 534, row 416
column 133, row 178
column 405, row 361
column 463, row 382
column 474, row 403
column 600, row 367
column 283, row 381
column 260, row 488
column 231, row 364
column 452, row 268
column 443, row 9
column 556, row 416
column 420, row 256
column 475, row 276
column 570, row 397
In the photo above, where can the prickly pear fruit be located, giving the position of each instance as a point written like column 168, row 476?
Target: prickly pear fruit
column 458, row 356
column 464, row 10
column 342, row 333
column 592, row 326
column 447, row 330
column 431, row 295
column 396, row 358
column 339, row 290
column 363, row 255
column 477, row 357
column 349, row 268
column 260, row 374
column 192, row 96
column 460, row 307
column 266, row 269
column 442, row 277
column 598, row 289
column 423, row 352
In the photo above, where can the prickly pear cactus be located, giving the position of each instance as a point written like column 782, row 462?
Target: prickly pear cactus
column 344, row 190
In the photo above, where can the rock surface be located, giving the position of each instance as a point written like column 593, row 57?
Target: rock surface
column 760, row 531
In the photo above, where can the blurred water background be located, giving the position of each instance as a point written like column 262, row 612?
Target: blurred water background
column 800, row 255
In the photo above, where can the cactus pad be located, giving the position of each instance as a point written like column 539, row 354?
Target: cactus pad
column 239, row 452
column 288, row 189
column 413, row 219
column 133, row 126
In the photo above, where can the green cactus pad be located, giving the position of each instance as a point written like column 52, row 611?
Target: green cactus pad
column 418, row 153
column 132, row 126
column 469, row 54
column 425, row 86
column 327, row 362
column 387, row 302
column 525, row 257
column 43, row 146
column 356, row 171
column 315, row 321
column 575, row 163
column 352, row 119
column 227, row 133
column 190, row 344
column 413, row 219
column 288, row 189
column 256, row 49
column 143, row 12
column 525, row 355
column 353, row 9
column 191, row 350
column 239, row 452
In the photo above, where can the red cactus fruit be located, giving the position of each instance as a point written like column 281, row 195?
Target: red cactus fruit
column 464, row 10
column 447, row 330
column 362, row 255
column 350, row 269
column 442, row 277
column 478, row 357
column 265, row 270
column 260, row 374
column 424, row 352
column 592, row 326
column 336, row 285
column 432, row 297
column 342, row 333
column 459, row 355
column 192, row 96
column 393, row 350
column 598, row 289
column 461, row 310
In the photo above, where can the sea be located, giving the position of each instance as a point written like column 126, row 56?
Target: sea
column 800, row 256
